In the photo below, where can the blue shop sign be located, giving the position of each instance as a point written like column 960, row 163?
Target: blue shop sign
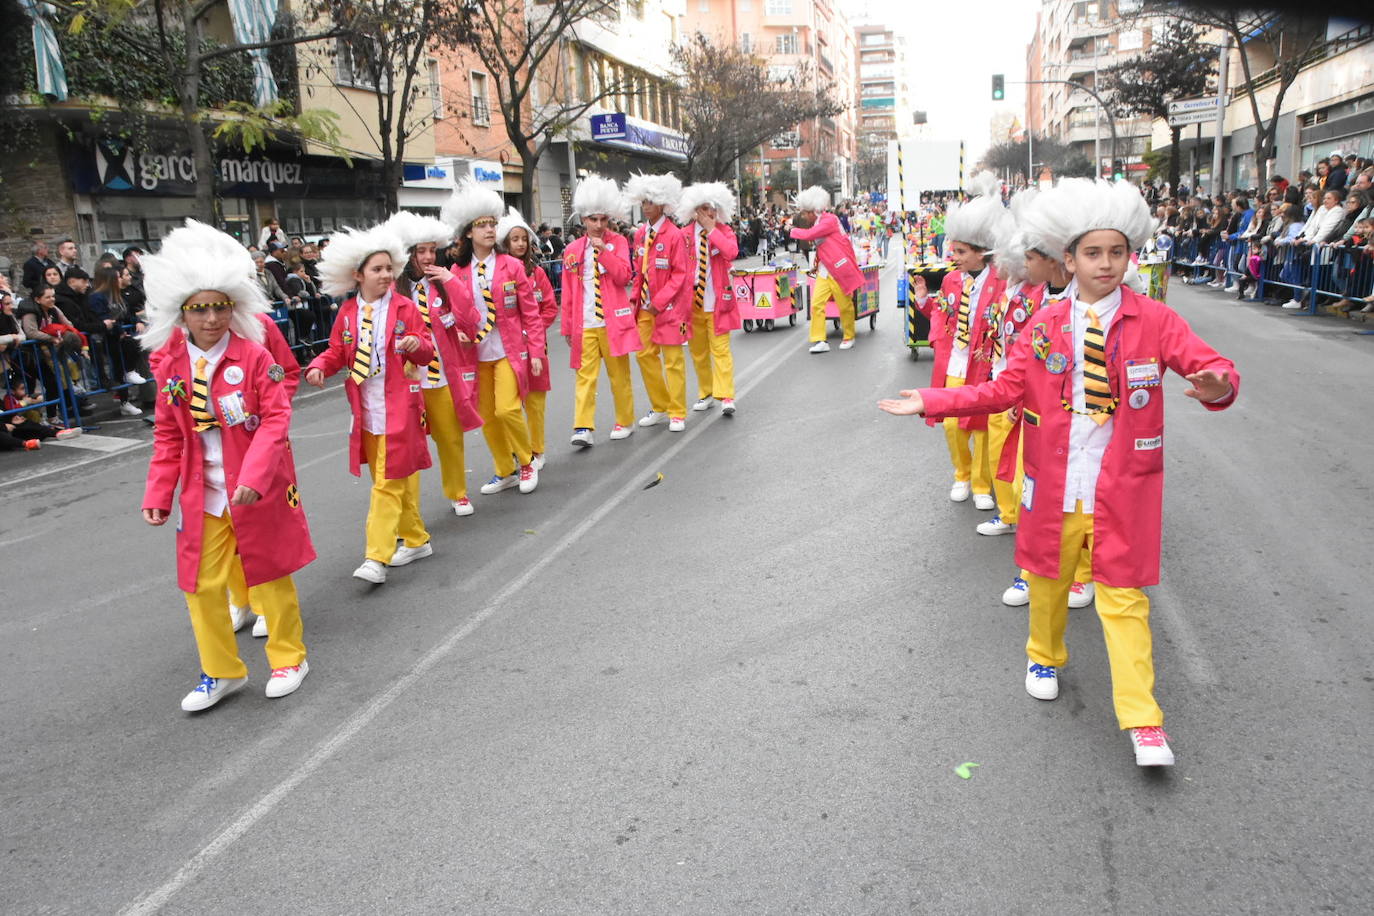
column 637, row 137
column 608, row 126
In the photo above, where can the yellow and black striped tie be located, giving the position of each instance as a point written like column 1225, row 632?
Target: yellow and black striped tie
column 998, row 330
column 362, row 358
column 703, row 261
column 486, row 296
column 596, row 289
column 1097, row 391
column 200, row 398
column 961, row 329
column 645, row 296
column 422, row 303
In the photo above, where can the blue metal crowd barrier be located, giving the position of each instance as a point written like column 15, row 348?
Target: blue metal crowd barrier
column 40, row 367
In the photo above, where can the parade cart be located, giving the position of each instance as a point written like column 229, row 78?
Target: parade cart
column 916, row 326
column 865, row 299
column 766, row 295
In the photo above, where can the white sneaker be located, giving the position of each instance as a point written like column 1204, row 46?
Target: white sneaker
column 537, row 461
column 1042, row 681
column 286, row 680
column 1081, row 594
column 260, row 628
column 1232, row 289
column 529, row 478
column 239, row 616
column 984, row 501
column 621, row 432
column 704, row 404
column 133, row 378
column 1017, row 594
column 847, row 344
column 129, row 409
column 1293, row 304
column 960, row 491
column 404, row 555
column 653, row 418
column 727, row 407
column 498, row 483
column 371, row 571
column 677, row 424
column 463, row 506
column 1151, row 747
column 820, row 346
column 210, row 691
column 995, row 526
column 582, row 438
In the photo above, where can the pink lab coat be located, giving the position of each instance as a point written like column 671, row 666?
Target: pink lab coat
column 943, row 312
column 406, row 449
column 835, row 251
column 1127, row 517
column 669, row 270
column 273, row 536
column 517, row 315
column 622, row 328
column 459, row 360
column 547, row 304
column 273, row 340
column 723, row 249
column 1025, row 303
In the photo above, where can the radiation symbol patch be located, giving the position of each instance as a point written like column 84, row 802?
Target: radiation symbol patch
column 293, row 496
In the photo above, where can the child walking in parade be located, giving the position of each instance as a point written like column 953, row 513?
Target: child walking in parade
column 707, row 210
column 380, row 339
column 223, row 419
column 837, row 267
column 1088, row 378
column 515, row 238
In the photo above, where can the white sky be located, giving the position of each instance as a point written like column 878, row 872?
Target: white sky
column 959, row 45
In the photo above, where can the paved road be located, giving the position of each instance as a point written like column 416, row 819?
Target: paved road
column 741, row 691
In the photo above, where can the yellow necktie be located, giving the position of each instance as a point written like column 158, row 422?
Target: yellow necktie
column 1097, row 391
column 703, row 261
column 422, row 303
column 362, row 358
column 487, row 298
column 596, row 289
column 645, row 296
column 961, row 329
column 998, row 329
column 200, row 398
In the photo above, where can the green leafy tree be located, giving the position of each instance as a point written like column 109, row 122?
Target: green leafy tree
column 1014, row 156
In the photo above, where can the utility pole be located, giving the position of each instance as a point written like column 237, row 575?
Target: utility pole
column 1222, row 67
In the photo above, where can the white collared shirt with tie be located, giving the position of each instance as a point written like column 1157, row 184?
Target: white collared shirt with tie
column 958, row 356
column 1087, row 440
column 211, row 442
column 372, row 392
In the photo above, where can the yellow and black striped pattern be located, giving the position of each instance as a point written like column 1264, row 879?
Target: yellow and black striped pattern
column 961, row 329
column 362, row 358
column 1097, row 390
column 644, row 296
column 596, row 288
column 200, row 398
column 703, row 262
column 432, row 371
column 293, row 496
column 486, row 297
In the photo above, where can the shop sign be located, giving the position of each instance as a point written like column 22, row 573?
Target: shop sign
column 608, row 126
column 487, row 174
column 639, row 137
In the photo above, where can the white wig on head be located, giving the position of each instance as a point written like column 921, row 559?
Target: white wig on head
column 412, row 229
column 712, row 193
column 468, row 203
column 199, row 258
column 977, row 222
column 598, row 196
column 813, row 198
column 1076, row 206
column 664, row 190
column 1010, row 253
column 349, row 250
column 512, row 220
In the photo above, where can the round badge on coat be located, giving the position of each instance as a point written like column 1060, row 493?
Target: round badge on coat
column 1019, row 315
column 252, row 422
column 1008, row 329
column 1057, row 363
column 1139, row 398
column 233, row 375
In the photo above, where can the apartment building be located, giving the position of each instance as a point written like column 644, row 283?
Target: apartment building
column 884, row 89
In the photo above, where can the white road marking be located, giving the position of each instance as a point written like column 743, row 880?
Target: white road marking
column 110, row 444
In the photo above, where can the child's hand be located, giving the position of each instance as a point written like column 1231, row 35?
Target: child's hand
column 155, row 517
column 918, row 287
column 908, row 405
column 314, row 377
column 1208, row 386
column 408, row 344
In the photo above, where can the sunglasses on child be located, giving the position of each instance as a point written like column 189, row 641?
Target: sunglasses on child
column 219, row 308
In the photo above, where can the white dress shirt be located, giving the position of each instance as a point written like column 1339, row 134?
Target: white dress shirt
column 211, row 443
column 434, row 295
column 1087, row 440
column 491, row 348
column 958, row 355
column 589, row 319
column 374, row 386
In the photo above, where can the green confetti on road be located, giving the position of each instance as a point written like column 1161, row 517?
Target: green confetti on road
column 963, row 771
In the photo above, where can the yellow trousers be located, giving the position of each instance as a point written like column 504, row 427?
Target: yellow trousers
column 503, row 416
column 596, row 348
column 711, row 355
column 663, row 369
column 1084, row 571
column 535, row 403
column 447, row 434
column 394, row 510
column 1125, row 615
column 826, row 289
column 999, row 427
column 968, row 465
column 209, row 607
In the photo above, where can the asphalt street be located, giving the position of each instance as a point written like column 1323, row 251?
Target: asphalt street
column 743, row 690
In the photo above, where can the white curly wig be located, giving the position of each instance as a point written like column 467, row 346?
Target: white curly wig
column 664, row 190
column 712, row 193
column 198, row 258
column 413, row 229
column 468, row 203
column 813, row 198
column 977, row 222
column 349, row 249
column 1010, row 253
column 598, row 196
column 512, row 220
column 1061, row 216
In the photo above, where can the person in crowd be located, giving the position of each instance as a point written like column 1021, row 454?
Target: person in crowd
column 273, row 290
column 1335, row 172
column 514, row 237
column 837, row 267
column 42, row 320
column 108, row 306
column 66, row 256
column 1090, row 375
column 222, row 438
column 379, row 338
column 36, row 265
column 706, row 208
column 303, row 295
column 271, row 234
column 310, row 257
column 275, row 262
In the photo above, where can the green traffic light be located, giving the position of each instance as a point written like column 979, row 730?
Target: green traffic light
column 998, row 87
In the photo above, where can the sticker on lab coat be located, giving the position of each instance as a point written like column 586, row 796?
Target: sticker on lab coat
column 233, row 375
column 1139, row 398
column 841, row 262
column 232, row 411
column 510, row 300
column 252, row 423
column 1142, row 373
column 621, row 313
column 658, row 247
column 1145, row 445
column 447, row 319
column 661, row 263
column 1028, row 492
column 415, row 388
column 1056, row 363
column 539, row 295
column 1019, row 315
column 469, row 376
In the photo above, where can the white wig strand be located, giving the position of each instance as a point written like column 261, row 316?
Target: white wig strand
column 199, row 258
column 713, row 193
column 347, row 252
column 813, row 198
column 664, row 190
column 984, row 184
column 1077, row 206
column 413, row 229
column 468, row 203
column 976, row 223
column 598, row 196
column 1010, row 254
column 512, row 220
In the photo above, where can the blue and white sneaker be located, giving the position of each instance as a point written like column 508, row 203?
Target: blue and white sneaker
column 1042, row 681
column 210, row 691
column 1018, row 594
column 499, row 483
column 995, row 526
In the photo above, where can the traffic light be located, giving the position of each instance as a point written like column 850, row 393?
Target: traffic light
column 999, row 90
column 1118, row 171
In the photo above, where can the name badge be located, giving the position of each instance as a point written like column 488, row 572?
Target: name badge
column 231, row 409
column 539, row 295
column 1142, row 373
column 510, row 301
column 1146, row 445
column 1028, row 493
column 661, row 263
column 841, row 262
column 447, row 319
column 469, row 376
column 415, row 388
column 622, row 313
column 1032, row 418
